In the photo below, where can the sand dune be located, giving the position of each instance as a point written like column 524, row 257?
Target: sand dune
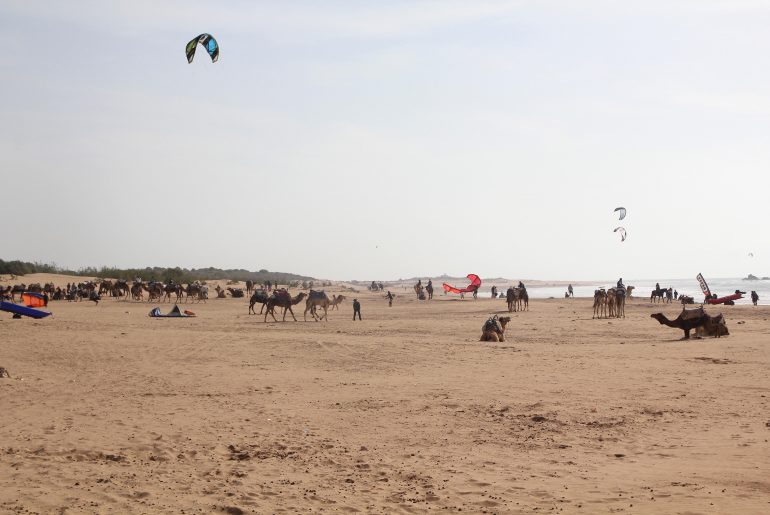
column 109, row 411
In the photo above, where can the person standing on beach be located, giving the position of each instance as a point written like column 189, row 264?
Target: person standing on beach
column 569, row 290
column 357, row 309
column 754, row 297
column 390, row 304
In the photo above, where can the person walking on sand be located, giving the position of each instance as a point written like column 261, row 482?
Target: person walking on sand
column 754, row 297
column 356, row 309
column 569, row 290
column 390, row 303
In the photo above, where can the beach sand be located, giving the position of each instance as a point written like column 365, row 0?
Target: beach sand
column 110, row 411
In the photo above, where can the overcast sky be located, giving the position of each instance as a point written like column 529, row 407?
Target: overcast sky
column 377, row 140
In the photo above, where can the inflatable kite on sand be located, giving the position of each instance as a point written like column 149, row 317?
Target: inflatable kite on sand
column 475, row 285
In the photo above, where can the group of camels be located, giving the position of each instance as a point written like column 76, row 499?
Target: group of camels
column 517, row 298
column 610, row 303
column 282, row 299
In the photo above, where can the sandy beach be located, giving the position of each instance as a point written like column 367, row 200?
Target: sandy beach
column 110, row 411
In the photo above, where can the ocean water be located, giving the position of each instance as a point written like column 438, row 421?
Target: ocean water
column 644, row 287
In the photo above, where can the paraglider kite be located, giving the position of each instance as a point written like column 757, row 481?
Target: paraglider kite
column 622, row 232
column 622, row 212
column 475, row 285
column 208, row 42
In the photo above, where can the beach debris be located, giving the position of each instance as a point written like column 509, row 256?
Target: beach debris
column 621, row 212
column 622, row 232
column 4, row 373
column 208, row 42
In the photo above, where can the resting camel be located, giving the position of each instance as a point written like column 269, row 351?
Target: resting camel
column 317, row 299
column 220, row 292
column 690, row 319
column 283, row 299
column 237, row 293
column 336, row 301
column 493, row 329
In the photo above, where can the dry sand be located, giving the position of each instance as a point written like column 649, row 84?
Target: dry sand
column 109, row 411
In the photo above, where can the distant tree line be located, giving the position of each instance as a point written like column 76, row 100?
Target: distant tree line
column 156, row 273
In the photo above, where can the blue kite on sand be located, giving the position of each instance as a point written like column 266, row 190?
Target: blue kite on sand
column 19, row 311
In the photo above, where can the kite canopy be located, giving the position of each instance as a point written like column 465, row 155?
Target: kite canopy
column 622, row 212
column 475, row 285
column 208, row 42
column 33, row 300
column 622, row 232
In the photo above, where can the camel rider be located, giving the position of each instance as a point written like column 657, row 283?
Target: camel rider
column 620, row 283
column 419, row 283
column 521, row 285
column 657, row 286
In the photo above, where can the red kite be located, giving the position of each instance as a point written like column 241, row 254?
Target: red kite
column 475, row 285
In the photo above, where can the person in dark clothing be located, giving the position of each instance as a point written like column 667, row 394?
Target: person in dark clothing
column 657, row 286
column 620, row 283
column 390, row 302
column 570, row 291
column 356, row 309
column 676, row 294
column 521, row 285
column 754, row 297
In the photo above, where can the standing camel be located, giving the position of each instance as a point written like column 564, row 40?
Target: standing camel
column 600, row 303
column 336, row 301
column 283, row 299
column 258, row 297
column 314, row 300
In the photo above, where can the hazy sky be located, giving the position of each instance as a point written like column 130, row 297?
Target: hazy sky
column 377, row 140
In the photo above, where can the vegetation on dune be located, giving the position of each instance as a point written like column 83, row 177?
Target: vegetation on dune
column 177, row 274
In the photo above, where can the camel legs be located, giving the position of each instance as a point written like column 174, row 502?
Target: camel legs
column 290, row 311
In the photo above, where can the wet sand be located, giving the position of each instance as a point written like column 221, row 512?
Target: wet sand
column 109, row 411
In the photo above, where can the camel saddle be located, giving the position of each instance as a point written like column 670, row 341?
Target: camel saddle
column 317, row 294
column 282, row 294
column 492, row 325
column 689, row 314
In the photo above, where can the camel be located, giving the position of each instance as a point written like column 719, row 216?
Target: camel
column 418, row 290
column 616, row 303
column 336, row 301
column 658, row 294
column 220, row 292
column 17, row 288
column 197, row 291
column 686, row 299
column 121, row 289
column 105, row 287
column 315, row 300
column 629, row 291
column 493, row 329
column 259, row 296
column 154, row 291
column 283, row 299
column 172, row 288
column 517, row 298
column 600, row 303
column 137, row 292
column 5, row 293
column 236, row 293
column 429, row 289
column 690, row 319
column 714, row 326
